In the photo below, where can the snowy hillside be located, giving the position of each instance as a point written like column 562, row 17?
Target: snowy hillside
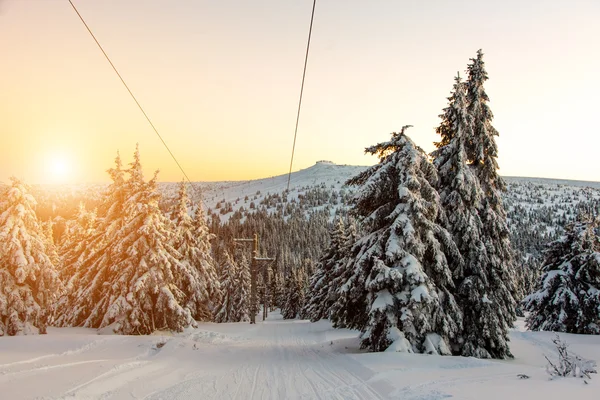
column 531, row 193
column 275, row 359
column 232, row 196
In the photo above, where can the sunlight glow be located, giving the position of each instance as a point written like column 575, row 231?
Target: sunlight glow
column 58, row 169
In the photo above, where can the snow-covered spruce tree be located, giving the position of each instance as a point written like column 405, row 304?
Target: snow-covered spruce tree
column 345, row 310
column 479, row 293
column 400, row 267
column 206, row 265
column 227, row 311
column 294, row 295
column 568, row 294
column 321, row 293
column 50, row 245
column 200, row 283
column 279, row 289
column 77, row 246
column 303, row 282
column 87, row 268
column 482, row 153
column 242, row 294
column 28, row 280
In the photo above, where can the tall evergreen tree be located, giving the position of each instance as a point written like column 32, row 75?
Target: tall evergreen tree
column 482, row 153
column 279, row 289
column 568, row 294
column 479, row 293
column 51, row 247
column 303, row 282
column 321, row 292
column 28, row 280
column 192, row 241
column 294, row 294
column 77, row 246
column 230, row 287
column 204, row 262
column 345, row 311
column 242, row 294
column 85, row 283
column 482, row 149
column 401, row 278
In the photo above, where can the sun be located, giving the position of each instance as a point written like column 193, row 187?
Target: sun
column 58, row 168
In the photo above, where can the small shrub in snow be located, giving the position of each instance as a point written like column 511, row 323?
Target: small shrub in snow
column 569, row 364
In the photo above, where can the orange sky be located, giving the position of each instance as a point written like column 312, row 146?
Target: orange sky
column 220, row 80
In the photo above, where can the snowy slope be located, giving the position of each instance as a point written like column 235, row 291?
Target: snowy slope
column 324, row 175
column 275, row 359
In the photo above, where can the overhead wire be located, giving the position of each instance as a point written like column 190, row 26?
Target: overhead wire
column 134, row 98
column 312, row 17
column 154, row 127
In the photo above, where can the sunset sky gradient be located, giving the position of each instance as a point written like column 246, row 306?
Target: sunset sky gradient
column 220, row 80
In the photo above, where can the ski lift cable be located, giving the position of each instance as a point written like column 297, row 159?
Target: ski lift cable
column 312, row 17
column 134, row 98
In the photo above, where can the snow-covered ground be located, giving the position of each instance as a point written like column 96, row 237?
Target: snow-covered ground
column 275, row 359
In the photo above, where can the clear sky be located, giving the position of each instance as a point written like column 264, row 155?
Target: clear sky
column 220, row 80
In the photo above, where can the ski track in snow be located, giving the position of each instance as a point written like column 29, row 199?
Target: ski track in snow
column 275, row 359
column 278, row 364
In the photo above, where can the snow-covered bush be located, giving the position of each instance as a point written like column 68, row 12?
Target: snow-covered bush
column 569, row 364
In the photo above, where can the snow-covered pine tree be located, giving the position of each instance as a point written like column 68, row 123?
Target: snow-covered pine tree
column 199, row 283
column 482, row 150
column 28, row 280
column 345, row 311
column 293, row 295
column 230, row 287
column 321, row 292
column 242, row 293
column 302, row 283
column 482, row 153
column 77, row 246
column 401, row 275
column 205, row 264
column 270, row 286
column 51, row 247
column 279, row 289
column 568, row 294
column 56, row 260
column 87, row 266
column 478, row 292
